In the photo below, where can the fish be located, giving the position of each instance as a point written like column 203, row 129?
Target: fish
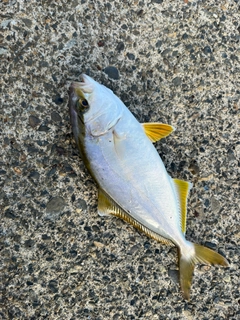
column 133, row 183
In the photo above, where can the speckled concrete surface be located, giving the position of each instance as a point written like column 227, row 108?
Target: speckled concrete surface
column 170, row 61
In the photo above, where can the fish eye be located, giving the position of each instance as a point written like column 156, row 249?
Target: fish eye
column 84, row 103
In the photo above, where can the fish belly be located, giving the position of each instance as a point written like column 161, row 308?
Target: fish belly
column 128, row 168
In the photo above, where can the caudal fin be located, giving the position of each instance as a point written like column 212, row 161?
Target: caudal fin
column 186, row 265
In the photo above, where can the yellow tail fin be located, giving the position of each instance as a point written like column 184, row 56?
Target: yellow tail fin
column 186, row 265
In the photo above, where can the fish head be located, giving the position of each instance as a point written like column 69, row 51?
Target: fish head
column 79, row 94
column 92, row 106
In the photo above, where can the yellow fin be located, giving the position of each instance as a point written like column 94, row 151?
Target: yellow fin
column 107, row 206
column 156, row 131
column 186, row 265
column 182, row 188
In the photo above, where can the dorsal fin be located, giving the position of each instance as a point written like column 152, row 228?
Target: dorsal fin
column 107, row 206
column 182, row 189
column 156, row 131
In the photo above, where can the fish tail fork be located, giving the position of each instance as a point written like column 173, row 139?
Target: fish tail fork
column 186, row 265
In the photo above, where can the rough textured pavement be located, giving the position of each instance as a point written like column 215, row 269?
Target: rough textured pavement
column 170, row 61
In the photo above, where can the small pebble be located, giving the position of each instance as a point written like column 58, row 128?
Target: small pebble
column 55, row 205
column 43, row 128
column 112, row 72
column 98, row 244
column 56, row 117
column 177, row 81
column 58, row 99
column 227, row 279
column 34, row 121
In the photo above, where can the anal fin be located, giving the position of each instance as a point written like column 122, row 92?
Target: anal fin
column 156, row 131
column 107, row 206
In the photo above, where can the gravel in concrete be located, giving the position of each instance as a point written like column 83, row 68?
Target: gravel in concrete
column 170, row 61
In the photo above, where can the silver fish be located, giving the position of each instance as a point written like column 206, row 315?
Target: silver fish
column 133, row 182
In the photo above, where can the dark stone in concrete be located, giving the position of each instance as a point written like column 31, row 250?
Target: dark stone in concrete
column 112, row 72
column 34, row 121
column 56, row 205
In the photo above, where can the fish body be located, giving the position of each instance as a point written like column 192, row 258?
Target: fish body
column 133, row 182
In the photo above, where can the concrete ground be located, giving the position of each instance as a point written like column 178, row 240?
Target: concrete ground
column 173, row 61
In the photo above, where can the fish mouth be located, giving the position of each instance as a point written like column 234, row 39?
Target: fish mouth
column 81, row 89
column 75, row 89
column 86, row 84
column 75, row 93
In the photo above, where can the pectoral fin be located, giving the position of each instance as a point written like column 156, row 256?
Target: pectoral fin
column 156, row 131
column 119, row 146
column 182, row 189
